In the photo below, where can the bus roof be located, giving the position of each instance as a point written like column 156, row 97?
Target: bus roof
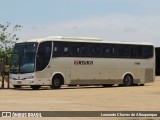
column 82, row 39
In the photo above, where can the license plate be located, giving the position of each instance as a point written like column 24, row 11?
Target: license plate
column 19, row 82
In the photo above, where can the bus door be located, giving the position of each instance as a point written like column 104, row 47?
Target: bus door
column 43, row 62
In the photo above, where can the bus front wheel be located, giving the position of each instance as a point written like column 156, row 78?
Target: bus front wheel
column 56, row 82
column 128, row 80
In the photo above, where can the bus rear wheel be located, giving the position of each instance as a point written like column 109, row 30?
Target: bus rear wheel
column 35, row 87
column 128, row 80
column 56, row 82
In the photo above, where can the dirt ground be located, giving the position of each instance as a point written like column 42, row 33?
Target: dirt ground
column 80, row 98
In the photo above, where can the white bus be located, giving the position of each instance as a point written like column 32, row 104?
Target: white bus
column 57, row 61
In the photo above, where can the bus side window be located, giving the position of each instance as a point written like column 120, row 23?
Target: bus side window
column 147, row 51
column 83, row 50
column 133, row 52
column 139, row 52
column 56, row 49
column 105, row 51
column 78, row 49
column 75, row 50
column 112, row 51
column 94, row 50
column 123, row 51
column 64, row 49
column 60, row 49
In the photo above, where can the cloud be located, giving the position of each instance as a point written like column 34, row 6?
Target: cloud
column 113, row 27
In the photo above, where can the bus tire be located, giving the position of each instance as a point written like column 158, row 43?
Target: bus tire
column 56, row 82
column 35, row 87
column 16, row 86
column 128, row 80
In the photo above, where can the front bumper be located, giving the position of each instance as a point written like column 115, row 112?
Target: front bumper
column 23, row 79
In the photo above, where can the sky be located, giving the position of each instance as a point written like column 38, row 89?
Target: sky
column 112, row 20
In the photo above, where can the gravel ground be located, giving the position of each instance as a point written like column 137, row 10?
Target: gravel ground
column 81, row 98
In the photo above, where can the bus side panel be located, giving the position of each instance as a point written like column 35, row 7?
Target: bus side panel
column 149, row 75
column 61, row 66
column 43, row 77
column 110, row 76
column 67, row 78
column 78, row 75
column 94, row 75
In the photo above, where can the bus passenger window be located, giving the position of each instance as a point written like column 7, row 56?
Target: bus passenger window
column 55, row 49
column 94, row 50
column 65, row 49
column 77, row 49
column 123, row 51
column 111, row 51
column 105, row 52
column 147, row 51
column 133, row 53
column 82, row 50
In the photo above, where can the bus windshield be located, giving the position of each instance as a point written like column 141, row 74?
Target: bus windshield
column 23, row 58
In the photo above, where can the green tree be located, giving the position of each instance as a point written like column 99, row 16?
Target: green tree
column 7, row 39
